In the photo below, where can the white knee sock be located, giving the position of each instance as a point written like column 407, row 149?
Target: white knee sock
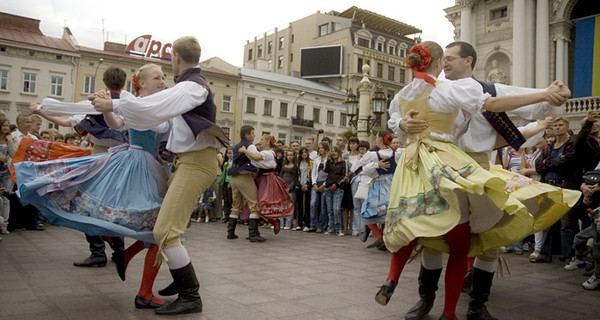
column 489, row 266
column 431, row 261
column 178, row 257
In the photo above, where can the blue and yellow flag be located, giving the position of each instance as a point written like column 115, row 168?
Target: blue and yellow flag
column 586, row 71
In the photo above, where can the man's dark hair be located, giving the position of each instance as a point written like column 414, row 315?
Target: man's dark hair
column 114, row 78
column 244, row 131
column 466, row 50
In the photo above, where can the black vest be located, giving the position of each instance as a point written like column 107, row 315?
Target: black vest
column 241, row 162
column 501, row 122
column 203, row 116
column 95, row 125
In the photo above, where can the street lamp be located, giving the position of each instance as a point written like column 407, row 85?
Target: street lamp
column 295, row 120
column 351, row 103
column 365, row 121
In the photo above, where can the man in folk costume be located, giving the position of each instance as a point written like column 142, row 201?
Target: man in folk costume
column 243, row 187
column 477, row 134
column 194, row 139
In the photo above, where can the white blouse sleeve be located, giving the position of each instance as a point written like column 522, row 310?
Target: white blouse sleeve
column 370, row 163
column 534, row 111
column 466, row 94
column 147, row 112
column 53, row 107
column 267, row 162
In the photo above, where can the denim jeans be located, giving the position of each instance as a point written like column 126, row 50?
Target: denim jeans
column 287, row 222
column 356, row 218
column 333, row 201
column 515, row 247
column 318, row 211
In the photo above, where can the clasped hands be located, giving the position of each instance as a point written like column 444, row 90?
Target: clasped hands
column 558, row 93
column 101, row 101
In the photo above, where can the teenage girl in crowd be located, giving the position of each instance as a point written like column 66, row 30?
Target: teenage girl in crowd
column 336, row 169
column 352, row 222
column 225, row 184
column 318, row 212
column 289, row 174
column 303, row 192
column 7, row 151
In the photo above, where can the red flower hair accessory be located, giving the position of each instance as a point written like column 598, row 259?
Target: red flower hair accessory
column 387, row 139
column 272, row 142
column 425, row 58
column 136, row 85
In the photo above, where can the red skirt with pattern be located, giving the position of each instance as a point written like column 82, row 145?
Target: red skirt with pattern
column 274, row 200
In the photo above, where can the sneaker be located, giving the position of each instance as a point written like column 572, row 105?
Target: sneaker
column 355, row 234
column 299, row 228
column 341, row 234
column 4, row 231
column 306, row 229
column 319, row 231
column 206, row 220
column 326, row 232
column 287, row 228
column 592, row 283
column 575, row 263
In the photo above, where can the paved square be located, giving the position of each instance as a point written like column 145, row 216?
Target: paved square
column 293, row 275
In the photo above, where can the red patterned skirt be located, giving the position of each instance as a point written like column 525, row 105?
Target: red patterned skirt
column 274, row 200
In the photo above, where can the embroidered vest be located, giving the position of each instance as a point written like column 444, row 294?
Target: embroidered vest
column 241, row 162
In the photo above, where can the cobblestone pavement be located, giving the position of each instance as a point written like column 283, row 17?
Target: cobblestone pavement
column 293, row 275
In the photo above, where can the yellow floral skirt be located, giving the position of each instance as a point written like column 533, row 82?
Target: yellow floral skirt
column 424, row 202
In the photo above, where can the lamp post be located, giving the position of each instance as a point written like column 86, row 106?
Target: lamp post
column 292, row 115
column 365, row 121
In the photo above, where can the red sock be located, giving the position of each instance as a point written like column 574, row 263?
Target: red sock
column 459, row 241
column 150, row 272
column 399, row 259
column 133, row 249
column 375, row 231
column 470, row 262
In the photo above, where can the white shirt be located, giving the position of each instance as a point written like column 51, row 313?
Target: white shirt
column 473, row 133
column 370, row 161
column 18, row 135
column 268, row 158
column 148, row 112
column 313, row 155
column 315, row 169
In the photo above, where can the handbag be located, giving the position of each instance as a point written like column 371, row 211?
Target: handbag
column 362, row 191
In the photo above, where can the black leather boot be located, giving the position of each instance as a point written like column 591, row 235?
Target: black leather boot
column 253, row 231
column 97, row 257
column 188, row 300
column 171, row 290
column 385, row 293
column 118, row 256
column 428, row 285
column 365, row 235
column 482, row 283
column 468, row 281
column 231, row 228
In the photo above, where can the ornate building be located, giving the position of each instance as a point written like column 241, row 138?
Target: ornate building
column 533, row 42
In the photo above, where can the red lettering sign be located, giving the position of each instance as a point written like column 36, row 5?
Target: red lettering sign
column 145, row 46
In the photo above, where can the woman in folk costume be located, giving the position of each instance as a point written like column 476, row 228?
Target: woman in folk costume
column 438, row 190
column 79, row 193
column 274, row 200
column 379, row 165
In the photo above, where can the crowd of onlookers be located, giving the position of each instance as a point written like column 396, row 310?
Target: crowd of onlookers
column 570, row 161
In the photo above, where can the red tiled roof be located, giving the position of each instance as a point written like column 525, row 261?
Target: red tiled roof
column 12, row 35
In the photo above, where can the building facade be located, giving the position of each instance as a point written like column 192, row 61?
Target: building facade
column 33, row 66
column 533, row 42
column 364, row 37
column 290, row 108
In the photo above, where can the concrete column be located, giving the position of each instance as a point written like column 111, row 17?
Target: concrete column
column 465, row 23
column 519, row 43
column 364, row 104
column 530, row 13
column 542, row 43
column 560, row 61
column 566, row 60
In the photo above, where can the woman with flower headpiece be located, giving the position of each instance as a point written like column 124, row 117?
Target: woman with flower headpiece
column 378, row 165
column 79, row 192
column 273, row 200
column 435, row 182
